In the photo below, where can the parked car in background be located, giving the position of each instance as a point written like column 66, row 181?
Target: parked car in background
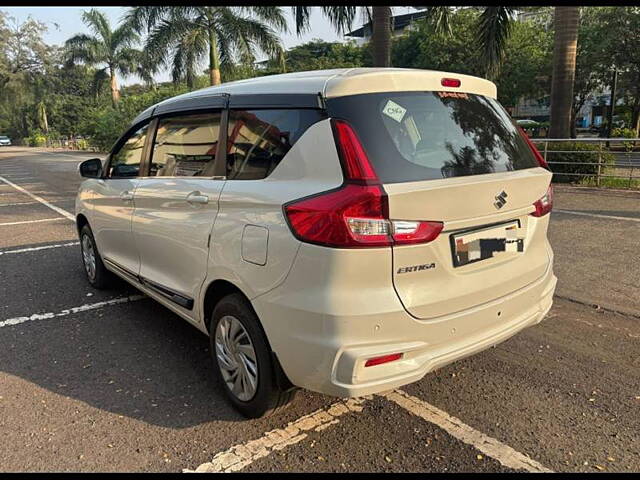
column 346, row 231
column 4, row 141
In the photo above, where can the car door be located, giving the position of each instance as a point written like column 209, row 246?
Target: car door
column 113, row 202
column 176, row 205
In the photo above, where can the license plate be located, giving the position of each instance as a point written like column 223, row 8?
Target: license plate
column 506, row 239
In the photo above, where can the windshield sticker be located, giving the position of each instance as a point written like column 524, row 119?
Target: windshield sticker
column 395, row 111
column 453, row 95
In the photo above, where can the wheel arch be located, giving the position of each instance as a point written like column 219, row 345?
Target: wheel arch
column 216, row 291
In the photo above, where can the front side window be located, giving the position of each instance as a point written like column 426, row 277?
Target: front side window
column 185, row 146
column 125, row 162
column 259, row 139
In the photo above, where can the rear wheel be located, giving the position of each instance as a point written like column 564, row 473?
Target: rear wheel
column 97, row 274
column 242, row 359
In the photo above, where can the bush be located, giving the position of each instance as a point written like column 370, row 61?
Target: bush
column 582, row 160
column 36, row 139
column 624, row 133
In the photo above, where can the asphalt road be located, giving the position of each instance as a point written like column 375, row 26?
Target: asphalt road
column 108, row 381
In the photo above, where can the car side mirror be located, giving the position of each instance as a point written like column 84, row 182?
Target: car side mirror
column 91, row 168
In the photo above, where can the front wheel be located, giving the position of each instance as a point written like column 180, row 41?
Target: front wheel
column 97, row 274
column 242, row 359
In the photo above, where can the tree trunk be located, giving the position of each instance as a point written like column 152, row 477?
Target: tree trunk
column 115, row 91
column 381, row 37
column 566, row 21
column 214, row 61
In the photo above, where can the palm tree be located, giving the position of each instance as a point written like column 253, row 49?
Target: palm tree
column 566, row 21
column 111, row 48
column 381, row 36
column 493, row 29
column 184, row 35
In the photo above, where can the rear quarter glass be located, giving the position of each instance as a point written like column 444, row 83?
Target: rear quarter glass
column 413, row 136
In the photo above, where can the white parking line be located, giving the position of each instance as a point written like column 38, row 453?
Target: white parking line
column 491, row 447
column 22, row 222
column 241, row 455
column 572, row 212
column 61, row 211
column 35, row 249
column 16, row 204
column 83, row 308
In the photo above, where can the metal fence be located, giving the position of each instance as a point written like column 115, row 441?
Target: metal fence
column 609, row 161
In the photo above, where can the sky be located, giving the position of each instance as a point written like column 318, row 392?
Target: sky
column 63, row 22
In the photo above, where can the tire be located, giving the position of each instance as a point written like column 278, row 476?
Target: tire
column 98, row 276
column 267, row 397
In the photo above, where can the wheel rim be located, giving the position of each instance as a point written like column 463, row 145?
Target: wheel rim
column 236, row 358
column 89, row 257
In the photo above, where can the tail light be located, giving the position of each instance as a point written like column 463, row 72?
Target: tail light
column 541, row 161
column 544, row 204
column 355, row 215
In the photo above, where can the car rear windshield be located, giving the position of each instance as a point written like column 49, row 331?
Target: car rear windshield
column 412, row 136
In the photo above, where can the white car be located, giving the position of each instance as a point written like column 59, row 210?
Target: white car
column 344, row 231
column 5, row 141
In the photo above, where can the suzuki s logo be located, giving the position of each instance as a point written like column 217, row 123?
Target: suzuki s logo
column 500, row 200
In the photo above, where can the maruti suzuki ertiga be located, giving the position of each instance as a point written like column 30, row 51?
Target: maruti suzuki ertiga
column 345, row 231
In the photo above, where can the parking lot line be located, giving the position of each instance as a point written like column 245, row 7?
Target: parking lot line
column 586, row 214
column 82, row 308
column 31, row 221
column 16, row 204
column 241, row 455
column 61, row 211
column 35, row 249
column 491, row 447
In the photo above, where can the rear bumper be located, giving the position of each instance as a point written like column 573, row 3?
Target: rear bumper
column 326, row 352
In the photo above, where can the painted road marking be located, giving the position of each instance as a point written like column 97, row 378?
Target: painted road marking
column 82, row 308
column 35, row 249
column 61, row 211
column 491, row 447
column 241, row 455
column 572, row 212
column 31, row 221
column 17, row 203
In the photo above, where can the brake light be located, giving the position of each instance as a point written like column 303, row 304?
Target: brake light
column 536, row 153
column 356, row 214
column 450, row 82
column 544, row 204
column 383, row 359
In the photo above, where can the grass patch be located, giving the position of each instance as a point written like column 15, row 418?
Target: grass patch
column 609, row 182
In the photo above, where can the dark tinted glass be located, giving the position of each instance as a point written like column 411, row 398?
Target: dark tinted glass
column 259, row 139
column 185, row 146
column 411, row 136
column 126, row 161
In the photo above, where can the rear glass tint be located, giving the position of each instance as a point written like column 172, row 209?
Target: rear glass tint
column 412, row 136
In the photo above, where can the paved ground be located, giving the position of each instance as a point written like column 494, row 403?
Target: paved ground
column 105, row 381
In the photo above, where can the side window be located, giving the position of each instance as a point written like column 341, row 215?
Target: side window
column 259, row 139
column 185, row 146
column 126, row 161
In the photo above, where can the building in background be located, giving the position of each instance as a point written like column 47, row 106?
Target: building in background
column 401, row 24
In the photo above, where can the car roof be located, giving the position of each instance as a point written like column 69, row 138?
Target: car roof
column 327, row 84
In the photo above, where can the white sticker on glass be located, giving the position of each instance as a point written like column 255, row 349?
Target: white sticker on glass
column 393, row 110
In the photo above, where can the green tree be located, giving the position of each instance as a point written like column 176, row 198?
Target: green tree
column 620, row 46
column 527, row 57
column 182, row 36
column 108, row 47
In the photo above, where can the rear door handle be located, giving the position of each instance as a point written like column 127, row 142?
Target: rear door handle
column 126, row 196
column 197, row 198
